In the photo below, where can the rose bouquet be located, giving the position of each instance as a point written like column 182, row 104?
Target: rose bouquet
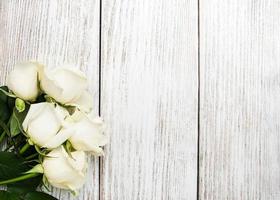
column 47, row 130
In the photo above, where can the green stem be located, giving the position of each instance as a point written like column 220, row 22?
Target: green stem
column 5, row 132
column 20, row 178
column 4, row 127
column 2, row 136
column 7, row 93
column 24, row 148
column 31, row 156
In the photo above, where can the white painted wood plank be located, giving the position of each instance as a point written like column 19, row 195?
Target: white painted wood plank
column 240, row 92
column 149, row 99
column 54, row 32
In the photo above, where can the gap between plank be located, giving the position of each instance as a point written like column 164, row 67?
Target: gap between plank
column 198, row 98
column 99, row 92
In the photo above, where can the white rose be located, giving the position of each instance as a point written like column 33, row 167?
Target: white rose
column 84, row 102
column 88, row 133
column 44, row 124
column 23, row 81
column 67, row 86
column 64, row 171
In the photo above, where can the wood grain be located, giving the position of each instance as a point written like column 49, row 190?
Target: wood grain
column 54, row 32
column 240, row 110
column 149, row 99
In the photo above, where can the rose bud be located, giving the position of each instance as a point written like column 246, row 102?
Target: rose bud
column 23, row 81
column 65, row 171
column 87, row 133
column 44, row 125
column 67, row 86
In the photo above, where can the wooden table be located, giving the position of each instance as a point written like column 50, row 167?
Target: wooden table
column 190, row 90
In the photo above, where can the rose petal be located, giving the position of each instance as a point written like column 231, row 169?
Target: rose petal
column 59, row 138
column 84, row 102
column 23, row 81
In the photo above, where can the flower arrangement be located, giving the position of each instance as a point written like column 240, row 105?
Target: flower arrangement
column 48, row 128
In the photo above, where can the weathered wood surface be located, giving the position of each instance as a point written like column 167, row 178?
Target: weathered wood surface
column 239, row 109
column 149, row 90
column 54, row 32
column 149, row 99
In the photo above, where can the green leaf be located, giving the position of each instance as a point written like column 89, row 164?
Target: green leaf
column 23, row 187
column 11, row 104
column 7, row 93
column 11, row 166
column 3, row 96
column 20, row 116
column 14, row 126
column 5, row 195
column 38, row 195
column 20, row 105
column 4, row 111
column 4, row 127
